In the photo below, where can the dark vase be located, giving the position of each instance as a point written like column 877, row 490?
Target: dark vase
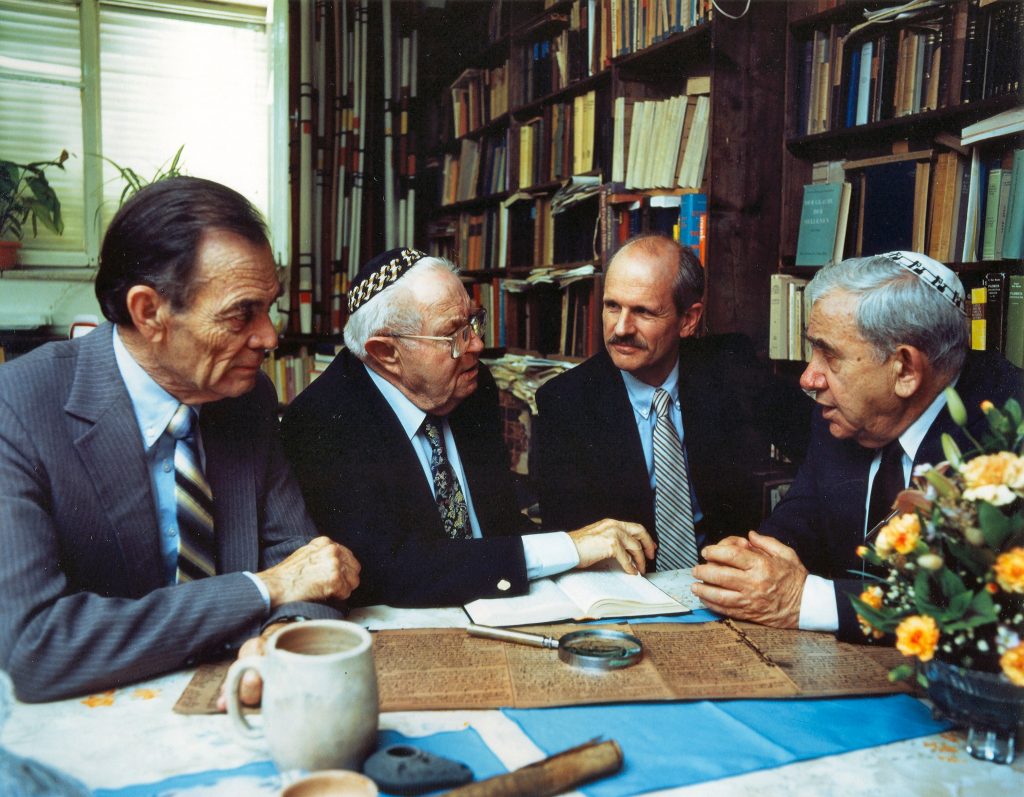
column 988, row 705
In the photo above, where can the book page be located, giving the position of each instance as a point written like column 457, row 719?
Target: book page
column 440, row 668
column 711, row 660
column 544, row 603
column 821, row 666
column 610, row 593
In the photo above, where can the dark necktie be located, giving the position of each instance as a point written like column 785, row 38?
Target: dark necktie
column 888, row 483
column 673, row 511
column 197, row 547
column 451, row 502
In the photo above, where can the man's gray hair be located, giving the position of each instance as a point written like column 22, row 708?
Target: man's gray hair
column 392, row 310
column 897, row 307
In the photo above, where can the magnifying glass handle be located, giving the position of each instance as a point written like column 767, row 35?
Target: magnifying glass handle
column 507, row 635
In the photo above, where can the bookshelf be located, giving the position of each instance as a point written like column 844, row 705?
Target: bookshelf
column 537, row 183
column 886, row 108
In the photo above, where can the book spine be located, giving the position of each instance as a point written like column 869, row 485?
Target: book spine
column 1014, row 345
column 978, row 337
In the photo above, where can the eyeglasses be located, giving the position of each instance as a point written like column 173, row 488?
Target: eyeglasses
column 460, row 338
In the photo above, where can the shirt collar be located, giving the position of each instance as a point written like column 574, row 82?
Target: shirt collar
column 641, row 395
column 153, row 405
column 914, row 434
column 409, row 415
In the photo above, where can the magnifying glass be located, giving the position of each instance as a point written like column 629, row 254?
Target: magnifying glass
column 589, row 648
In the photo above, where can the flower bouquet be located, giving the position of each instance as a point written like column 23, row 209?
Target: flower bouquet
column 953, row 590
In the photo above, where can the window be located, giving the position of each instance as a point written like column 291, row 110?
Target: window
column 192, row 73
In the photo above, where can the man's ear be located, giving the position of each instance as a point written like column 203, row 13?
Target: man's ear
column 384, row 352
column 910, row 368
column 690, row 320
column 148, row 311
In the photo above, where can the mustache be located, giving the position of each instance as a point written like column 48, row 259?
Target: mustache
column 628, row 340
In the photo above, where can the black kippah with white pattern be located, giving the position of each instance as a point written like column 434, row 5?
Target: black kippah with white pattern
column 378, row 273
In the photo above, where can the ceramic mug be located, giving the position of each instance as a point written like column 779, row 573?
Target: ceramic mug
column 320, row 703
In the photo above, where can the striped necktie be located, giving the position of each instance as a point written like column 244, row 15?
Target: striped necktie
column 197, row 549
column 451, row 502
column 673, row 512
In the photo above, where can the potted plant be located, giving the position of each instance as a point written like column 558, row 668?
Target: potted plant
column 25, row 194
column 953, row 593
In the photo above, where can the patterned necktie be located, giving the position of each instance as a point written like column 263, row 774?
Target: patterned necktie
column 673, row 512
column 197, row 550
column 887, row 484
column 451, row 502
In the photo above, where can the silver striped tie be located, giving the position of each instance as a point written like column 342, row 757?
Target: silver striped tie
column 673, row 511
column 197, row 548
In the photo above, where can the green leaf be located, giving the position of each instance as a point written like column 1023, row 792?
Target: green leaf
column 994, row 524
column 958, row 606
column 976, row 560
column 901, row 672
column 883, row 622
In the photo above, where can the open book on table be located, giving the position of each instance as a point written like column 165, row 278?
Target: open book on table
column 601, row 592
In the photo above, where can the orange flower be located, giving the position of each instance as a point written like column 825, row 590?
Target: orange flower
column 900, row 534
column 917, row 636
column 1009, row 570
column 1012, row 663
column 872, row 596
column 987, row 406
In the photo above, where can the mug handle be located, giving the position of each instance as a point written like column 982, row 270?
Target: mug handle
column 247, row 732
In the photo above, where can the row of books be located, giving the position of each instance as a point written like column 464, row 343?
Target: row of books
column 637, row 24
column 478, row 96
column 950, row 206
column 997, row 315
column 995, row 308
column 293, row 371
column 682, row 217
column 946, row 55
column 560, row 142
column 480, row 169
column 661, row 143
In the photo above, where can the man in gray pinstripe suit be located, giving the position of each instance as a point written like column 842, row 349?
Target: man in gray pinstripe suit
column 88, row 521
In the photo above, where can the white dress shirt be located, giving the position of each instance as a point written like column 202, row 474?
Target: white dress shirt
column 546, row 554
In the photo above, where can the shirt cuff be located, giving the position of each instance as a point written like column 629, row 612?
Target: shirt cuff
column 818, row 610
column 264, row 592
column 548, row 554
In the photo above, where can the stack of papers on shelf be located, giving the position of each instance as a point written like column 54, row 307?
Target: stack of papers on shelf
column 522, row 375
column 575, row 189
column 1002, row 124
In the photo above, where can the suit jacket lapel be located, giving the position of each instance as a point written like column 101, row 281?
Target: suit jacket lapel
column 386, row 437
column 625, row 453
column 230, row 473
column 110, row 447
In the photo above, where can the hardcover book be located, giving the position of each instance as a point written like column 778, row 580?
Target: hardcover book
column 819, row 223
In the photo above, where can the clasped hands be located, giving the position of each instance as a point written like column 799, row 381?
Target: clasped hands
column 756, row 578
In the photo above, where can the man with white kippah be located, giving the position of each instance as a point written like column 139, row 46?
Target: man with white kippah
column 888, row 335
column 399, row 452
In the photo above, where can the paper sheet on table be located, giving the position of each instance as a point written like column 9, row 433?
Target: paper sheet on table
column 445, row 668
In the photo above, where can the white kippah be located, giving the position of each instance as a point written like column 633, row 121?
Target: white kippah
column 933, row 273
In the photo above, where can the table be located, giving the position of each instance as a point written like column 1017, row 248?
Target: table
column 130, row 736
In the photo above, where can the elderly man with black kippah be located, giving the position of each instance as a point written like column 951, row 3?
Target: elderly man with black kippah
column 398, row 450
column 889, row 334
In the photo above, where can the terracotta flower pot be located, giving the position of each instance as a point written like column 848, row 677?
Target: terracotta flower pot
column 9, row 254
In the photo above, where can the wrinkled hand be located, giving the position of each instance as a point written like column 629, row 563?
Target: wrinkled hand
column 758, row 579
column 628, row 543
column 250, row 689
column 317, row 571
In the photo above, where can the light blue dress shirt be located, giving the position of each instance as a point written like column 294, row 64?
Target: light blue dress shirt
column 546, row 554
column 641, row 397
column 153, row 408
